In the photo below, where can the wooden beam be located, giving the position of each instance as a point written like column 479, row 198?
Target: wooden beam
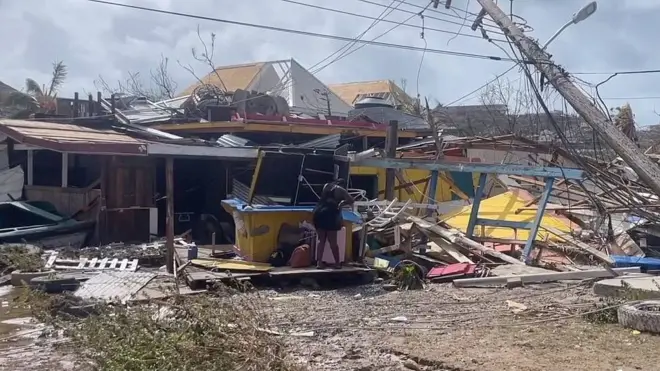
column 603, row 257
column 542, row 277
column 169, row 223
column 30, row 167
column 459, row 239
column 391, row 142
column 471, row 167
column 280, row 127
column 65, row 170
column 543, row 202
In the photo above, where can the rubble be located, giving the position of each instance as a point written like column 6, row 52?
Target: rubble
column 596, row 224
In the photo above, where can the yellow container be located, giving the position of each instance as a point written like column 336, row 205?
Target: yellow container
column 256, row 238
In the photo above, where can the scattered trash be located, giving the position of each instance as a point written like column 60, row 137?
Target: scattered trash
column 516, row 307
column 400, row 319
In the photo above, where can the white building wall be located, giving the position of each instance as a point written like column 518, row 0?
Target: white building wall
column 267, row 80
column 308, row 95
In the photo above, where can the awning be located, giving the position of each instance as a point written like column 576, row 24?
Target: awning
column 72, row 138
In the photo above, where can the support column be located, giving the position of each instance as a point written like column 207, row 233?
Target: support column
column 433, row 188
column 65, row 170
column 474, row 215
column 533, row 231
column 391, row 142
column 169, row 223
column 30, row 167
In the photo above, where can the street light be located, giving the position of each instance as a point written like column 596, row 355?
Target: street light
column 582, row 14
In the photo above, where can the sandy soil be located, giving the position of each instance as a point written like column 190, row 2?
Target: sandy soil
column 444, row 328
column 441, row 328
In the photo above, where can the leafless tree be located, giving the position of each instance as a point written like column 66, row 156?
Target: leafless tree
column 503, row 102
column 159, row 86
column 206, row 57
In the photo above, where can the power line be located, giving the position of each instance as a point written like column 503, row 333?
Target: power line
column 311, row 34
column 384, row 20
column 345, row 49
column 453, row 8
column 481, row 87
column 494, row 29
column 344, row 55
column 632, row 72
column 631, row 98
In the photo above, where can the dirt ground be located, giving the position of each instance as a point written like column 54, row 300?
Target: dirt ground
column 441, row 328
column 444, row 328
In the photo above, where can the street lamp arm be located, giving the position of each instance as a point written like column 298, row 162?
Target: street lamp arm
column 559, row 31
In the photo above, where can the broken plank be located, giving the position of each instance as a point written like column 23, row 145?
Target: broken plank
column 569, row 239
column 406, row 186
column 103, row 262
column 82, row 263
column 457, row 238
column 447, row 247
column 124, row 263
column 51, row 259
column 542, row 277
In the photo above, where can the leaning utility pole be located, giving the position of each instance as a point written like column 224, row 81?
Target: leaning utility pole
column 646, row 169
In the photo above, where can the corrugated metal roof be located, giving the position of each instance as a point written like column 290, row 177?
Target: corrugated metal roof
column 140, row 110
column 229, row 140
column 229, row 77
column 349, row 92
column 241, row 192
column 328, row 141
column 384, row 115
column 71, row 137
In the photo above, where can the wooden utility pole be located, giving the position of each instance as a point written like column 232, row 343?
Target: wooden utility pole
column 169, row 219
column 391, row 142
column 646, row 169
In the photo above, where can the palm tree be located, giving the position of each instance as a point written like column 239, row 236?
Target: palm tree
column 41, row 98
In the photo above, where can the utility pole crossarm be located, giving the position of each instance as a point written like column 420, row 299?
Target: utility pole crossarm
column 646, row 169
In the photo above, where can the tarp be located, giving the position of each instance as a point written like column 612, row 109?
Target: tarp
column 11, row 183
column 504, row 207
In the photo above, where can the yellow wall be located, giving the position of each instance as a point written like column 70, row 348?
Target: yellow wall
column 259, row 248
column 443, row 192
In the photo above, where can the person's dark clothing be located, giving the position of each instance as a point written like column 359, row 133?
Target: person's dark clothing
column 327, row 213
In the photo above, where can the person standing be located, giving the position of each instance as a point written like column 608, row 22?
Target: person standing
column 328, row 220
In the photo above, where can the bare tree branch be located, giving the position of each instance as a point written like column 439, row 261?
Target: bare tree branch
column 207, row 57
column 159, row 86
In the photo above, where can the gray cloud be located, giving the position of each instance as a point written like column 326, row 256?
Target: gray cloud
column 97, row 39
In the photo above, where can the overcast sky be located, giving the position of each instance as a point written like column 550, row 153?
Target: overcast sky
column 95, row 39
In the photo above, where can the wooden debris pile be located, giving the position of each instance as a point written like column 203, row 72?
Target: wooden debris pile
column 597, row 228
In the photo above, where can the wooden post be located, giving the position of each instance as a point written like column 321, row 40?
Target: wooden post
column 391, row 142
column 433, row 189
column 474, row 214
column 113, row 104
column 643, row 166
column 90, row 106
column 99, row 106
column 76, row 105
column 65, row 169
column 169, row 223
column 30, row 167
column 213, row 244
column 549, row 182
